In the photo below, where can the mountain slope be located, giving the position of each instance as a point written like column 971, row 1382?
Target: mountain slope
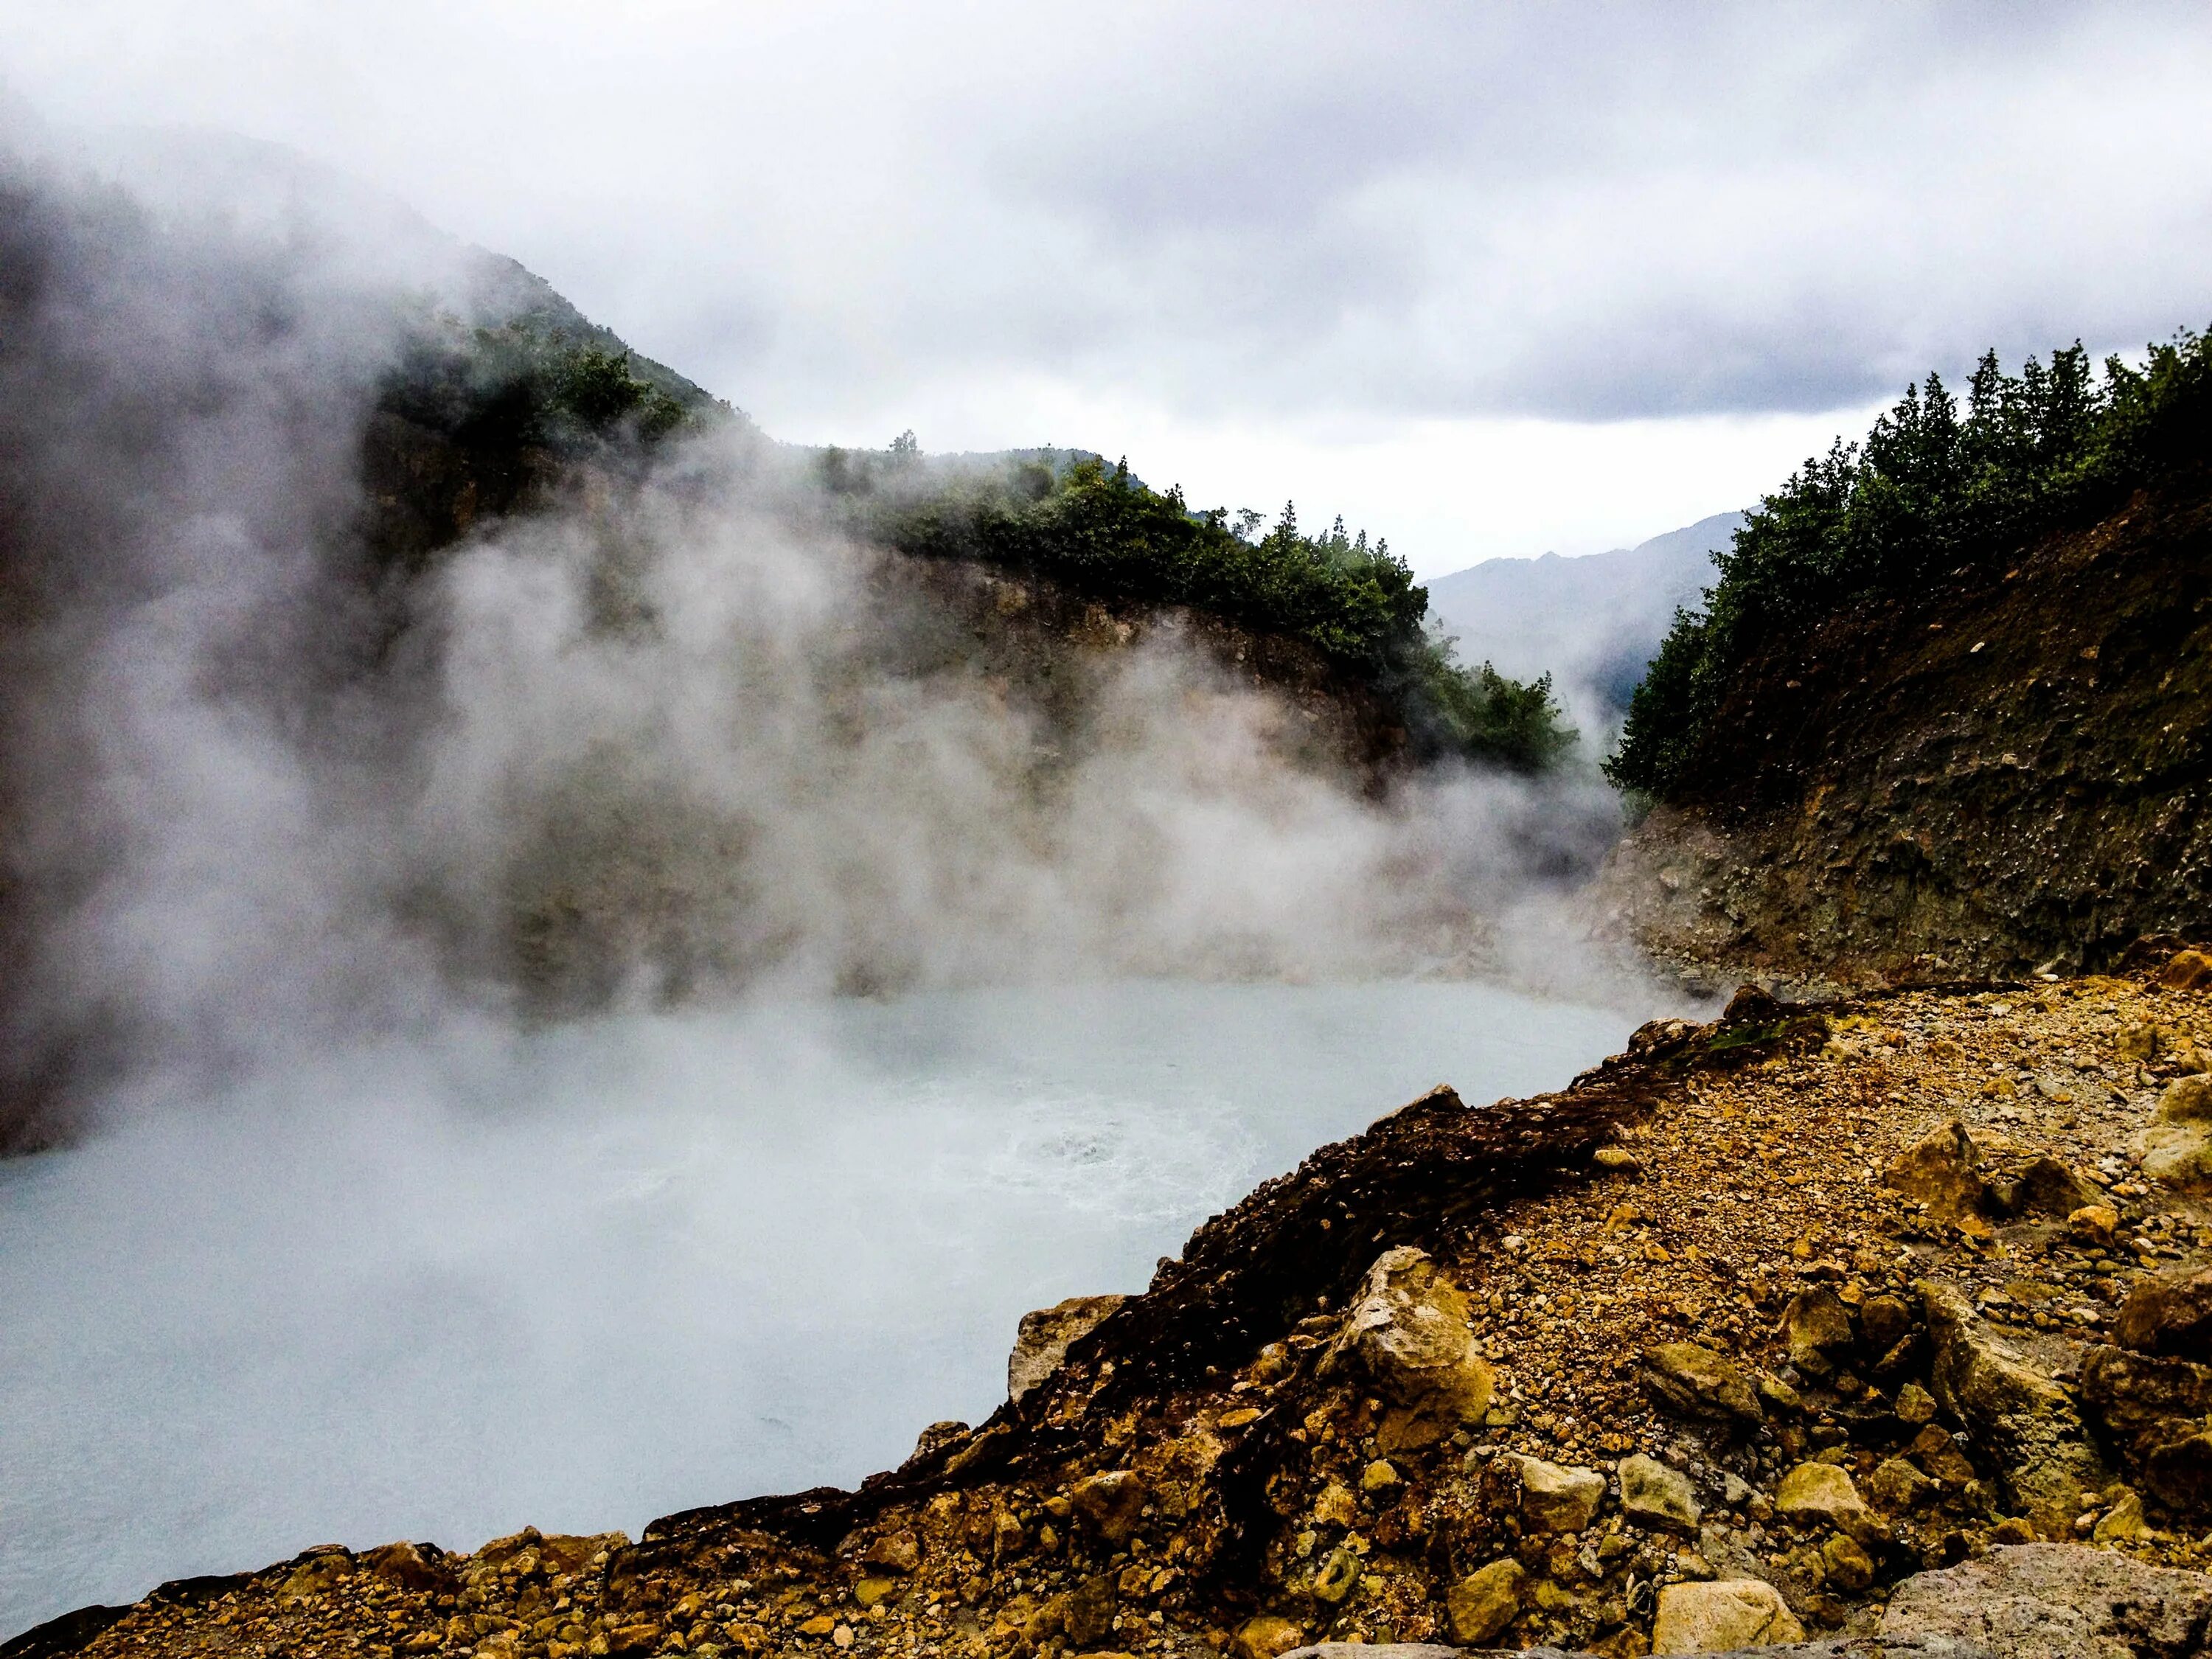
column 1592, row 623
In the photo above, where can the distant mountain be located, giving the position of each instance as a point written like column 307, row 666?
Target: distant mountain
column 1592, row 623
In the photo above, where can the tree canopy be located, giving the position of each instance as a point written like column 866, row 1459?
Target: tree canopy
column 1100, row 532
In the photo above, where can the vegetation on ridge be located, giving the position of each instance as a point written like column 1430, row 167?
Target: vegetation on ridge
column 1932, row 494
column 520, row 384
column 1101, row 532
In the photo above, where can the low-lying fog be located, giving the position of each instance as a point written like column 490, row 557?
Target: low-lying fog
column 595, row 1276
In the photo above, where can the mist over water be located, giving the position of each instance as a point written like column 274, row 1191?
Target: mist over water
column 594, row 1276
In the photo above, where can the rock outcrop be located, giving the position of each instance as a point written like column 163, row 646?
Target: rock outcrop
column 1043, row 1341
column 1558, row 1499
column 2000, row 772
column 1406, row 1333
column 2168, row 1314
column 2176, row 1148
column 1720, row 1616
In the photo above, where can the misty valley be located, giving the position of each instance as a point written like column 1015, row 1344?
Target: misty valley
column 602, row 961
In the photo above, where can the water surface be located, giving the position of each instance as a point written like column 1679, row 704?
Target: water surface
column 593, row 1276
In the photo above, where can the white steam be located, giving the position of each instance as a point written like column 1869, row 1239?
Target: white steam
column 669, row 741
column 741, row 792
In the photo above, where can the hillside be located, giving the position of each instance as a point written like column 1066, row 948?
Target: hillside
column 1949, row 712
column 1592, row 623
column 249, row 465
column 501, row 397
column 1855, row 1320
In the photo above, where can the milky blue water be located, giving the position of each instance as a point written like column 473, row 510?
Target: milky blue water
column 590, row 1277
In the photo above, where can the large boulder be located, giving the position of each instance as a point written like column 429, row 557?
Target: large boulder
column 1886, row 1322
column 1953, row 1172
column 416, row 1566
column 2039, row 1184
column 1722, row 1614
column 2057, row 1602
column 2176, row 1149
column 315, row 1575
column 1753, row 1005
column 1899, row 1485
column 1406, row 1333
column 1111, row 1503
column 2168, row 1314
column 2186, row 970
column 1944, row 1171
column 2051, row 1468
column 1975, row 1377
column 1692, row 1381
column 1486, row 1602
column 1043, row 1338
column 1558, row 1498
column 2158, row 1411
column 1821, row 1494
column 1264, row 1637
column 1817, row 1327
column 1657, row 1496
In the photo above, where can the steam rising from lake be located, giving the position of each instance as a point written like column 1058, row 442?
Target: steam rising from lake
column 666, row 741
column 441, row 977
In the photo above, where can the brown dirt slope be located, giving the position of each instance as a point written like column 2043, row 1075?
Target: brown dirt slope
column 1987, row 777
column 1770, row 1319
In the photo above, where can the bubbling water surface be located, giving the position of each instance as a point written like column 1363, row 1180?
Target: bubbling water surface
column 597, row 1275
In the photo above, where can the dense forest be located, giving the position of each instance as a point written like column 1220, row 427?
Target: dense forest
column 1933, row 493
column 520, row 385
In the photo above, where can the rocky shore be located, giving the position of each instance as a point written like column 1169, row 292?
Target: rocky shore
column 1880, row 1326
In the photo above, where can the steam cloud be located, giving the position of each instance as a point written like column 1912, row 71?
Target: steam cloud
column 671, row 741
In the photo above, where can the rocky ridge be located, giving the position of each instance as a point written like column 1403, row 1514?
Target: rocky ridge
column 1875, row 1327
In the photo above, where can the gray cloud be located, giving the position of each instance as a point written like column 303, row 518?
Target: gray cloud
column 1622, row 215
column 1575, row 213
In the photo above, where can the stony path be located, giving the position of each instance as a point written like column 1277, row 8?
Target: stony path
column 1740, row 1340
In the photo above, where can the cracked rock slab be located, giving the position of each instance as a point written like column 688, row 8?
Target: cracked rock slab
column 2057, row 1602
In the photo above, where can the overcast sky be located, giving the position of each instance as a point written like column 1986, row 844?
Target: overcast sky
column 1486, row 280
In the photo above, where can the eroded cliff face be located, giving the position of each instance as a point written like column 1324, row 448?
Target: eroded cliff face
column 1988, row 778
column 1887, row 1318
